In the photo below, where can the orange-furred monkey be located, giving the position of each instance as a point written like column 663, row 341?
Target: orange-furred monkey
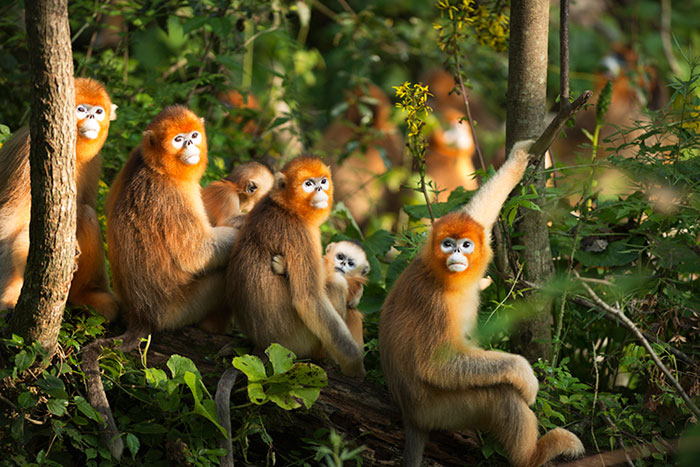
column 294, row 311
column 436, row 372
column 167, row 261
column 237, row 193
column 94, row 110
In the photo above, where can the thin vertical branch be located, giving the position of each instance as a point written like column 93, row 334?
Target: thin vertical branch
column 564, row 51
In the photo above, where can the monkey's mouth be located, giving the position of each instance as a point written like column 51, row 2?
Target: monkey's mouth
column 340, row 270
column 320, row 200
column 456, row 266
column 190, row 155
column 89, row 129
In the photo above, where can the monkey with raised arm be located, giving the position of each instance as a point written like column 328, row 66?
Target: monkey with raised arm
column 94, row 111
column 435, row 370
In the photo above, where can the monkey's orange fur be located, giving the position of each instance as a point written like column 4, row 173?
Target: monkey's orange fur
column 294, row 311
column 167, row 260
column 89, row 285
column 434, row 368
column 237, row 193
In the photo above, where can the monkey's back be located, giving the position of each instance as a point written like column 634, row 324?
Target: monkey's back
column 15, row 196
column 261, row 301
column 413, row 326
column 153, row 233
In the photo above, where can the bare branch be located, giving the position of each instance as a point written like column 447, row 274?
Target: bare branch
column 645, row 343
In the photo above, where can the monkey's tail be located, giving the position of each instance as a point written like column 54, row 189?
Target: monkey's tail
column 95, row 390
column 223, row 412
column 555, row 443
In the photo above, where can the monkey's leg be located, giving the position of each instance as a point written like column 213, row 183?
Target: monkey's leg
column 89, row 286
column 206, row 304
column 13, row 258
column 354, row 322
column 414, row 444
column 515, row 426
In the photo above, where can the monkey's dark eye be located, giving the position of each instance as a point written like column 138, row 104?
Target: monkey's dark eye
column 324, row 181
column 178, row 139
column 351, row 263
column 447, row 244
column 340, row 256
column 99, row 111
column 467, row 246
column 308, row 183
column 194, row 135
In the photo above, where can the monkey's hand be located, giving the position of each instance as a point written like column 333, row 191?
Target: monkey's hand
column 354, row 368
column 354, row 301
column 236, row 221
column 279, row 265
column 524, row 379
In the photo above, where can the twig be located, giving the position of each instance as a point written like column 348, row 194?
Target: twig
column 645, row 343
column 676, row 352
column 564, row 51
column 615, row 429
column 566, row 111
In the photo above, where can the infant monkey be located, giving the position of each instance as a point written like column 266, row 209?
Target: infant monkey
column 346, row 269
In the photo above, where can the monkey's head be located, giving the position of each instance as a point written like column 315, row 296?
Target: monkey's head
column 175, row 144
column 254, row 180
column 304, row 186
column 347, row 258
column 457, row 251
column 93, row 111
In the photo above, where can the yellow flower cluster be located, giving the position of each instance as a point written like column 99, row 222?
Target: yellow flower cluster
column 413, row 99
column 490, row 23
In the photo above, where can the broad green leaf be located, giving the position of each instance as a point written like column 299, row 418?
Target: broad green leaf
column 256, row 394
column 133, row 443
column 24, row 360
column 57, row 406
column 252, row 366
column 53, row 386
column 282, row 359
column 180, row 365
column 86, row 409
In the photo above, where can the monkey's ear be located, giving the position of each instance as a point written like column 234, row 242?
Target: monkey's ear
column 201, row 119
column 280, row 180
column 149, row 138
column 113, row 112
column 328, row 248
column 251, row 187
column 365, row 270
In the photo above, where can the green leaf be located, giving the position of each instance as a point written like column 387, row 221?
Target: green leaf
column 256, row 394
column 208, row 411
column 86, row 409
column 379, row 243
column 52, row 386
column 180, row 365
column 155, row 376
column 252, row 366
column 24, row 360
column 133, row 443
column 26, row 399
column 282, row 359
column 57, row 407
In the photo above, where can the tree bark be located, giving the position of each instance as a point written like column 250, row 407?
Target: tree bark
column 51, row 259
column 526, row 110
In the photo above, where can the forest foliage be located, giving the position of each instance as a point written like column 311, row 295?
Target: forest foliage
column 622, row 205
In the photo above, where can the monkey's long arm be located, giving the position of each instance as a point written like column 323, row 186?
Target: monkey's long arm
column 478, row 367
column 216, row 251
column 485, row 206
column 324, row 322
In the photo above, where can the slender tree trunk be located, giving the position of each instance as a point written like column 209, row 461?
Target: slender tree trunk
column 51, row 260
column 526, row 107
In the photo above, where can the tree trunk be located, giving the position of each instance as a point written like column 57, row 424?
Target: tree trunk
column 51, row 260
column 526, row 107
